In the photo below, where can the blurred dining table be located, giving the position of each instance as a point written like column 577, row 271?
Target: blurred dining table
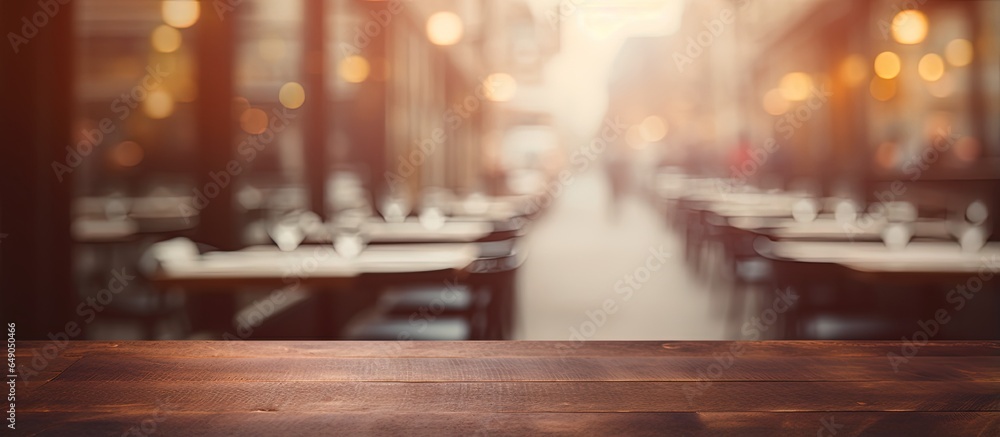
column 310, row 265
column 108, row 219
column 930, row 257
column 827, row 228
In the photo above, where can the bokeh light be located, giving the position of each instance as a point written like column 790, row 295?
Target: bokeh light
column 909, row 27
column 127, row 154
column 967, row 149
column 180, row 13
column 931, row 67
column 959, row 52
column 159, row 104
column 165, row 39
column 795, row 86
column 887, row 65
column 653, row 128
column 444, row 28
column 854, row 70
column 292, row 95
column 633, row 137
column 499, row 87
column 354, row 69
column 253, row 121
column 240, row 104
column 774, row 103
column 882, row 89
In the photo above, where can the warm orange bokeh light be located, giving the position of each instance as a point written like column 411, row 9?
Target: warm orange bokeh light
column 253, row 121
column 128, row 154
column 887, row 65
column 354, row 69
column 180, row 13
column 967, row 149
column 159, row 104
column 499, row 87
column 633, row 137
column 444, row 28
column 165, row 39
column 931, row 67
column 909, row 27
column 653, row 128
column 853, row 70
column 795, row 86
column 292, row 95
column 882, row 89
column 774, row 103
column 959, row 52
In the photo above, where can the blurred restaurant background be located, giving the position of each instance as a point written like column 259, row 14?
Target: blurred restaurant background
column 494, row 170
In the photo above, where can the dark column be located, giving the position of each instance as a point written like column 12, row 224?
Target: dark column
column 369, row 129
column 215, row 125
column 37, row 96
column 316, row 122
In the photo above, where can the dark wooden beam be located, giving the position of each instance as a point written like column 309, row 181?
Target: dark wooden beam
column 316, row 120
column 215, row 126
column 35, row 244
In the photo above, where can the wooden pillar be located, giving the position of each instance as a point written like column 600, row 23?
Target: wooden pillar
column 215, row 127
column 369, row 127
column 316, row 121
column 35, row 244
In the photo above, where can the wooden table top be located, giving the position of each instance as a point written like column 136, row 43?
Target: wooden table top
column 195, row 388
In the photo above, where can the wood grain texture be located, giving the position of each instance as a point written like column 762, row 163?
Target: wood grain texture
column 432, row 424
column 486, row 349
column 519, row 397
column 512, row 388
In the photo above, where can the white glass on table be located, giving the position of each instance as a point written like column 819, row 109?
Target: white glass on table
column 899, row 229
column 432, row 209
column 349, row 236
column 395, row 204
column 285, row 229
